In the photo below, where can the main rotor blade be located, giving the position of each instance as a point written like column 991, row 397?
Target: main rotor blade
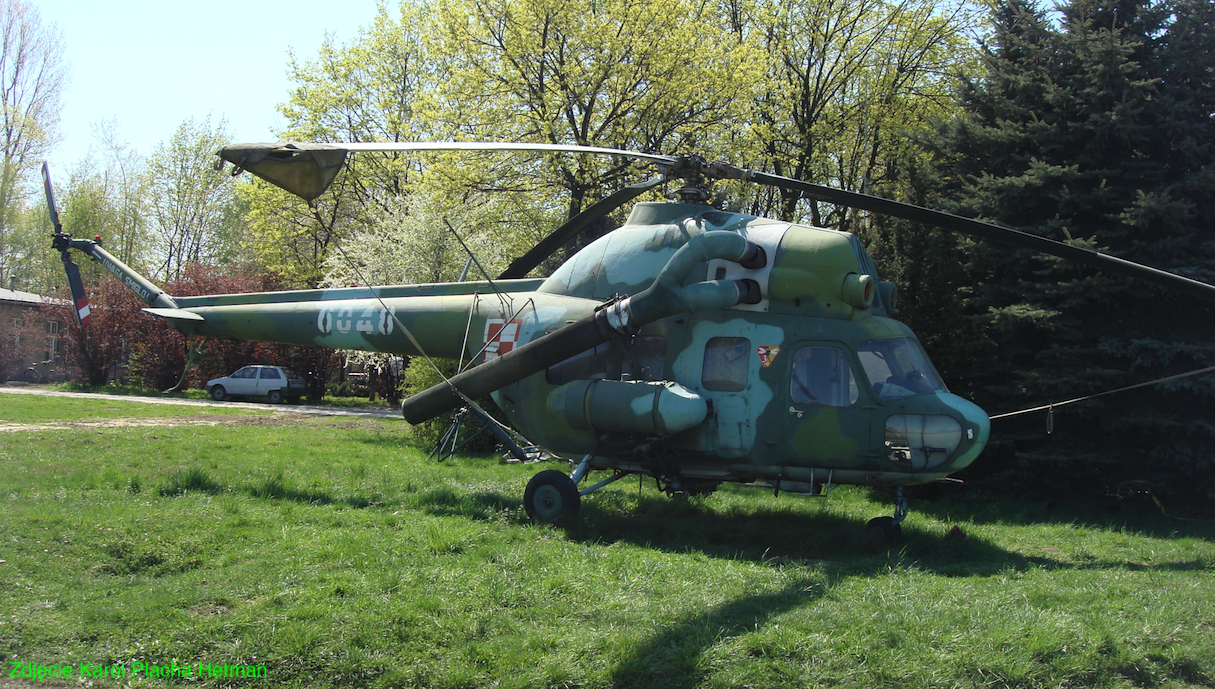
column 502, row 146
column 523, row 265
column 307, row 169
column 989, row 231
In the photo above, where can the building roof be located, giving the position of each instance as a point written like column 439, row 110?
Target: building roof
column 9, row 296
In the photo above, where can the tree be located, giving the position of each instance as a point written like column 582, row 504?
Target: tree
column 100, row 345
column 32, row 76
column 841, row 86
column 622, row 73
column 1093, row 129
column 193, row 207
column 362, row 92
column 415, row 241
column 107, row 197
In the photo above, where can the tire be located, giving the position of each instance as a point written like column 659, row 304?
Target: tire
column 218, row 393
column 551, row 496
column 275, row 397
column 883, row 530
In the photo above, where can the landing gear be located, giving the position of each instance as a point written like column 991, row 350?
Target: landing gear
column 883, row 530
column 887, row 530
column 551, row 496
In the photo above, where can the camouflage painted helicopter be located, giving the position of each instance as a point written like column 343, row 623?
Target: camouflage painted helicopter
column 691, row 345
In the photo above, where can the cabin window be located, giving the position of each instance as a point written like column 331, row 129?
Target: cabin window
column 246, row 372
column 822, row 376
column 727, row 362
column 898, row 368
column 647, row 359
column 589, row 365
column 270, row 374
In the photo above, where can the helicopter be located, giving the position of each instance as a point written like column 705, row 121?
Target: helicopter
column 691, row 345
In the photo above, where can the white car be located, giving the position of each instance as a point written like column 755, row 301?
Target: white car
column 275, row 383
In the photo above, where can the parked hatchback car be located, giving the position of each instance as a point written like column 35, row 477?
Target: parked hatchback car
column 275, row 383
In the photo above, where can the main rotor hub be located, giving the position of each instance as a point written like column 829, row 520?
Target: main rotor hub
column 697, row 172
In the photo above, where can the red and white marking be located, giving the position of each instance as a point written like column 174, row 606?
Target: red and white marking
column 500, row 337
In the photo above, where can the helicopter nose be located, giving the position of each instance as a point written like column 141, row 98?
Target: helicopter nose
column 948, row 434
column 976, row 427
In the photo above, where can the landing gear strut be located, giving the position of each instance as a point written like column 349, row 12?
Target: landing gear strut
column 886, row 530
column 551, row 495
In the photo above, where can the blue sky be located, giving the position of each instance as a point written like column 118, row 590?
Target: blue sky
column 149, row 65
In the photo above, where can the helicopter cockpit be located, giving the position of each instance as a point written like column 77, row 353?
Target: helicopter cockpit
column 898, row 368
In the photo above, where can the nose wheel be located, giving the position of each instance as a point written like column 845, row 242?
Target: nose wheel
column 887, row 530
column 551, row 496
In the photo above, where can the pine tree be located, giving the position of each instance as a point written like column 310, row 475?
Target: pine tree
column 1093, row 127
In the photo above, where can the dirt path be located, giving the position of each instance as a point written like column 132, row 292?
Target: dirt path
column 365, row 413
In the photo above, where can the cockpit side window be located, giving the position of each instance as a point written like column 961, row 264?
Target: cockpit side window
column 646, row 359
column 898, row 368
column 821, row 375
column 588, row 365
column 727, row 363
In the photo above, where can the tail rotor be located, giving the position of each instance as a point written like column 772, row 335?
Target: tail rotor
column 62, row 242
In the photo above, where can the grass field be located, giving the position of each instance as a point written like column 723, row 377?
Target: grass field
column 332, row 553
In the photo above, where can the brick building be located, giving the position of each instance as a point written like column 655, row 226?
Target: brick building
column 32, row 338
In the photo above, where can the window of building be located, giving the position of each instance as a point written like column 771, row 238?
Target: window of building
column 727, row 362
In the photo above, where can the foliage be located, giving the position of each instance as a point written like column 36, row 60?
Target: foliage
column 192, row 205
column 842, row 86
column 417, row 239
column 362, row 92
column 32, row 76
column 1094, row 129
column 100, row 346
column 107, row 197
column 622, row 73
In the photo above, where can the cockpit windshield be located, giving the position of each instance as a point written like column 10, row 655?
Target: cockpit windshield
column 898, row 368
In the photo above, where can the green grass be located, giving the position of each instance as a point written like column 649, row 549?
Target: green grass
column 333, row 553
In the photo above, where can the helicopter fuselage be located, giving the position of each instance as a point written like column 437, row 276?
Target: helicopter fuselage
column 800, row 388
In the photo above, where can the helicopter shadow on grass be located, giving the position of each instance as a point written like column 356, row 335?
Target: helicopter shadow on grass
column 817, row 549
column 1136, row 514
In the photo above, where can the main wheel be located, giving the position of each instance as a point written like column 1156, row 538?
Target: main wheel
column 551, row 496
column 218, row 393
column 883, row 530
column 275, row 397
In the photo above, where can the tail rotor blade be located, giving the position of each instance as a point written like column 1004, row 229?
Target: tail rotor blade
column 80, row 300
column 50, row 199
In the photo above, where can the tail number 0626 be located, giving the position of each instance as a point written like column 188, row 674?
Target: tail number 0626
column 372, row 321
